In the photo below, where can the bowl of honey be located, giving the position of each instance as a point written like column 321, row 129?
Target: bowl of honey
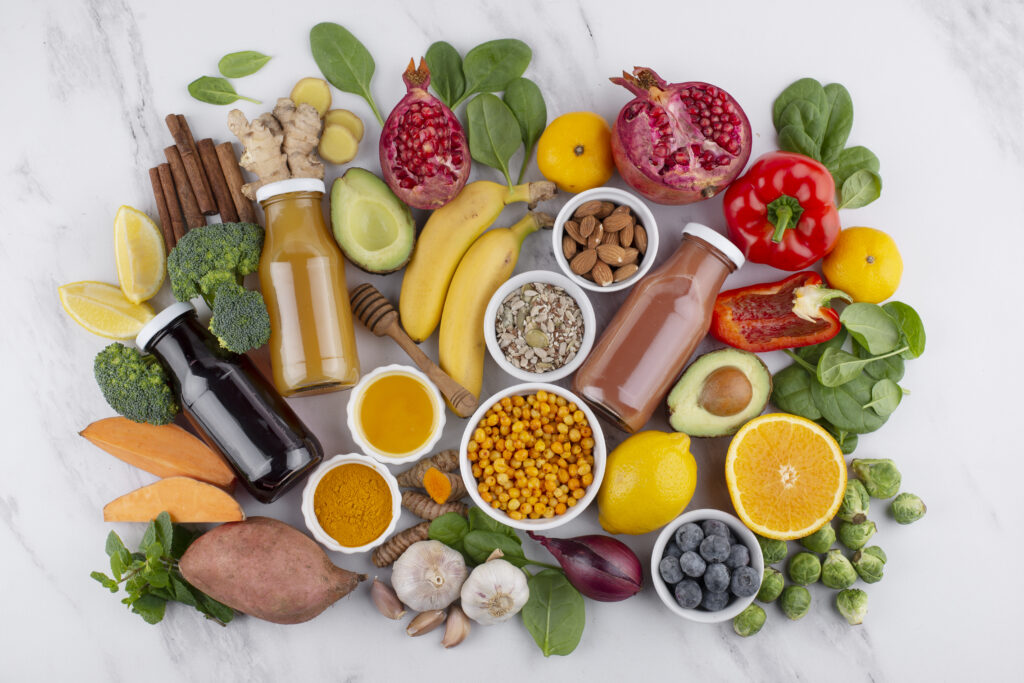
column 395, row 414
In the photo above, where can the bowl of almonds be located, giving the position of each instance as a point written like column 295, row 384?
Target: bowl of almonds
column 605, row 239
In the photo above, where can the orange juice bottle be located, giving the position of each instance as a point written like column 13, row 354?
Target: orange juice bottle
column 302, row 275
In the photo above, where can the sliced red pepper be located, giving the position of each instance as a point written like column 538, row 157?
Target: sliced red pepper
column 777, row 315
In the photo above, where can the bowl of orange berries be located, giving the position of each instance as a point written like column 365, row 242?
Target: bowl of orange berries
column 533, row 456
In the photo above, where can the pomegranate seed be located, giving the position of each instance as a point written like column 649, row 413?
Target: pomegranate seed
column 712, row 90
column 685, row 92
column 407, row 183
column 660, row 151
column 456, row 160
column 722, row 160
column 706, row 130
column 727, row 128
column 695, row 149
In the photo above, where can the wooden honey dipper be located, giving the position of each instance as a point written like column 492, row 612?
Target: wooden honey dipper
column 380, row 317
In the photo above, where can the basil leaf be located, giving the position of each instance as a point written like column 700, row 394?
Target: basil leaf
column 804, row 89
column 525, row 100
column 238, row 64
column 480, row 521
column 344, row 61
column 843, row 405
column 480, row 544
column 860, row 189
column 446, row 77
column 150, row 608
column 871, row 327
column 847, row 442
column 449, row 528
column 791, row 392
column 885, row 397
column 911, row 327
column 493, row 133
column 851, row 160
column 889, row 367
column 837, row 367
column 555, row 613
column 491, row 66
column 839, row 123
column 213, row 90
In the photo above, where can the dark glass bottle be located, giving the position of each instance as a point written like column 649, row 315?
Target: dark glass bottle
column 230, row 403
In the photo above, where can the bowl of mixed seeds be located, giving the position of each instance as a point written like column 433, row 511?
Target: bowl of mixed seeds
column 539, row 325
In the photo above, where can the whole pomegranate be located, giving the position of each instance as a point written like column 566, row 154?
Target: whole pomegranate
column 423, row 150
column 678, row 143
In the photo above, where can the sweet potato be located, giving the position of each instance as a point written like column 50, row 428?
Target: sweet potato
column 266, row 569
column 186, row 500
column 165, row 450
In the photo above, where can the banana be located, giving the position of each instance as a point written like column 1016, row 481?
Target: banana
column 449, row 232
column 485, row 267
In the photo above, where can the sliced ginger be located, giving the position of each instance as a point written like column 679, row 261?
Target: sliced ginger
column 314, row 91
column 338, row 145
column 345, row 118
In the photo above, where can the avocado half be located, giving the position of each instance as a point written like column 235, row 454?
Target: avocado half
column 718, row 393
column 374, row 229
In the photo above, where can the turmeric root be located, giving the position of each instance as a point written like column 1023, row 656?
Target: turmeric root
column 421, row 506
column 261, row 138
column 301, row 125
column 443, row 486
column 445, row 461
column 393, row 548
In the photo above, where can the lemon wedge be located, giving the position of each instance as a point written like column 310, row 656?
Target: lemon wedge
column 139, row 252
column 103, row 309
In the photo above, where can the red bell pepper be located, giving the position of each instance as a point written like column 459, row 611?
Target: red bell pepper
column 782, row 211
column 777, row 315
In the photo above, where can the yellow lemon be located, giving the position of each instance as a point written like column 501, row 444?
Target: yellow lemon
column 139, row 252
column 575, row 151
column 649, row 479
column 103, row 309
column 865, row 264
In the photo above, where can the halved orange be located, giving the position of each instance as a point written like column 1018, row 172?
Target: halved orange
column 786, row 476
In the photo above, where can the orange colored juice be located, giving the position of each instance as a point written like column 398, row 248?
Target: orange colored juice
column 397, row 414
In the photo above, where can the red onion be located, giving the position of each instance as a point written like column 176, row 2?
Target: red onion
column 600, row 567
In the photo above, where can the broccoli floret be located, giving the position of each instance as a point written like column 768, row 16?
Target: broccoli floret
column 240, row 319
column 135, row 385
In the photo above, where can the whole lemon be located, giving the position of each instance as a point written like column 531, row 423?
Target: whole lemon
column 865, row 264
column 648, row 481
column 575, row 151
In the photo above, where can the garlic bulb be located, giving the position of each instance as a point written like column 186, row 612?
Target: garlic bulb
column 494, row 592
column 428, row 576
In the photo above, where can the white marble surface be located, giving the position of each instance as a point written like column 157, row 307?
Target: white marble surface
column 939, row 92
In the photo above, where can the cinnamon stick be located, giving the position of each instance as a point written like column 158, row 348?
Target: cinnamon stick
column 233, row 175
column 186, row 145
column 161, row 208
column 171, row 200
column 193, row 216
column 219, row 185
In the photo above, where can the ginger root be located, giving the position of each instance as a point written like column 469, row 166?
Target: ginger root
column 301, row 126
column 422, row 506
column 393, row 548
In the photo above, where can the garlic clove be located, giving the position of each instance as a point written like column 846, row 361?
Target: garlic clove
column 456, row 628
column 386, row 600
column 425, row 622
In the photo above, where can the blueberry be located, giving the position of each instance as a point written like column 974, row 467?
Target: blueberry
column 689, row 536
column 739, row 556
column 716, row 577
column 669, row 570
column 688, row 593
column 672, row 550
column 692, row 564
column 713, row 602
column 714, row 527
column 715, row 548
column 745, row 582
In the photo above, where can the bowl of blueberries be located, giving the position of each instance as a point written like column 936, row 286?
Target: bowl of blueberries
column 707, row 566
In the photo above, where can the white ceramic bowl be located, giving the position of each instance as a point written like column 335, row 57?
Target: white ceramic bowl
column 572, row 289
column 741, row 532
column 610, row 194
column 309, row 514
column 600, row 458
column 355, row 401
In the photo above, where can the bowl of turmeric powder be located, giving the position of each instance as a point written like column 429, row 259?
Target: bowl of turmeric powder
column 351, row 503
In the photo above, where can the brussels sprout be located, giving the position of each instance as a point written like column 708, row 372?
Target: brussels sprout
column 855, row 502
column 804, row 568
column 795, row 602
column 880, row 477
column 869, row 565
column 821, row 540
column 772, row 584
column 836, row 571
column 856, row 536
column 907, row 508
column 749, row 621
column 773, row 551
column 852, row 604
column 877, row 552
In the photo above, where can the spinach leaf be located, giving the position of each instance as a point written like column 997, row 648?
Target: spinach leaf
column 839, row 123
column 555, row 613
column 885, row 397
column 812, row 354
column 525, row 100
column 493, row 133
column 479, row 521
column 449, row 528
column 491, row 66
column 838, row 367
column 871, row 327
column 890, row 367
column 851, row 160
column 344, row 61
column 847, row 442
column 804, row 89
column 860, row 189
column 911, row 327
column 796, row 139
column 214, row 90
column 843, row 406
column 791, row 392
column 446, row 77
column 480, row 544
column 238, row 64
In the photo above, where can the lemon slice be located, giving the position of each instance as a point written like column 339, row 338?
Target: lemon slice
column 139, row 251
column 103, row 309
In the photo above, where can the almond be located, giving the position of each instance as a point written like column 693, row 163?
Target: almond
column 587, row 208
column 640, row 238
column 587, row 226
column 630, row 255
column 595, row 237
column 616, row 222
column 606, row 210
column 583, row 262
column 625, row 271
column 622, row 209
column 611, row 254
column 602, row 274
column 572, row 229
column 610, row 238
column 568, row 247
column 626, row 236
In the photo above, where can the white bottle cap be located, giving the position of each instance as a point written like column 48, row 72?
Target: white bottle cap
column 292, row 185
column 160, row 321
column 718, row 241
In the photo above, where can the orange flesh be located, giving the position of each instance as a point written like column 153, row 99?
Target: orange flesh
column 396, row 414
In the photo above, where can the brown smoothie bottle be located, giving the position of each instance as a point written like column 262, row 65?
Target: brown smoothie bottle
column 644, row 349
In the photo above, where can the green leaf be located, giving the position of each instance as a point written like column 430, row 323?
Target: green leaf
column 804, row 116
column 114, row 544
column 239, row 64
column 847, row 442
column 911, row 327
column 164, row 530
column 838, row 367
column 107, row 582
column 526, row 101
column 214, row 90
column 791, row 392
column 851, row 160
column 120, row 562
column 182, row 539
column 480, row 521
column 889, row 367
column 216, row 610
column 480, row 544
column 860, row 189
column 796, row 139
column 493, row 133
column 843, row 406
column 446, row 77
column 182, row 591
column 154, row 551
column 344, row 61
column 555, row 613
column 812, row 354
column 449, row 528
column 803, row 89
column 491, row 66
column 840, row 121
column 158, row 576
column 871, row 327
column 150, row 607
column 885, row 397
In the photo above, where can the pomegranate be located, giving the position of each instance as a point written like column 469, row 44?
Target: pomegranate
column 423, row 150
column 678, row 143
